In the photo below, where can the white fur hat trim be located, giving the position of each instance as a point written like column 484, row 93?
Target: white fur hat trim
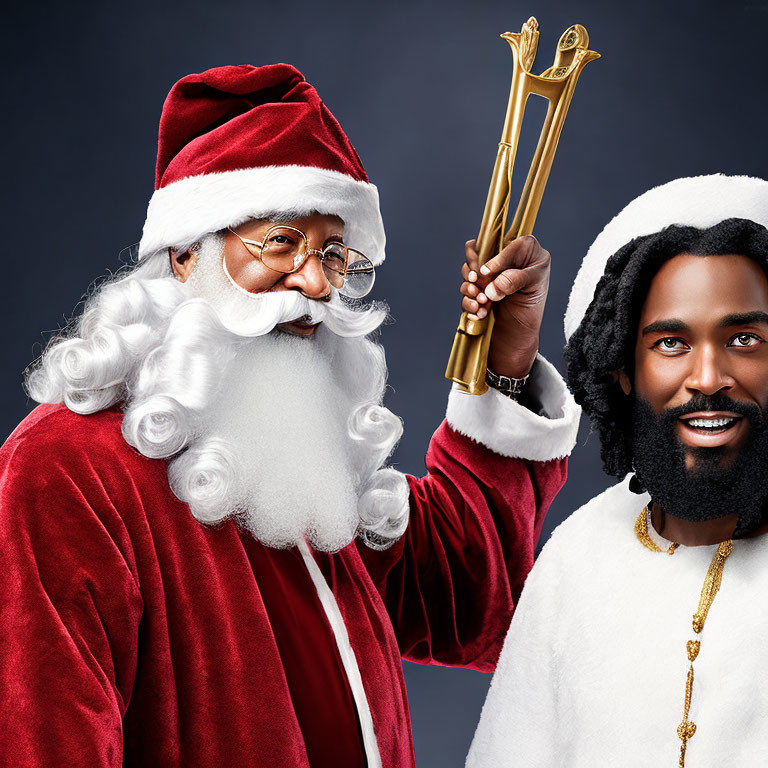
column 191, row 207
column 697, row 201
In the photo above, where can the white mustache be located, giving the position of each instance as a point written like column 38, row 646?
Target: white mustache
column 258, row 314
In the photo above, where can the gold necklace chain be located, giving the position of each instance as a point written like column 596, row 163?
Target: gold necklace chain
column 711, row 586
column 641, row 531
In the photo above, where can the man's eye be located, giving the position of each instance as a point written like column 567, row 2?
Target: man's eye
column 745, row 340
column 671, row 344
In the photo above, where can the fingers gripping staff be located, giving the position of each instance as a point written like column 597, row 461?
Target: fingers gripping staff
column 469, row 357
column 515, row 283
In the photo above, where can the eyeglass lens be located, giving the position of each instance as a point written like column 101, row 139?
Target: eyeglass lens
column 360, row 276
column 284, row 249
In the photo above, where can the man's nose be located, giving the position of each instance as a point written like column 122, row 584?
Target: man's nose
column 709, row 373
column 310, row 279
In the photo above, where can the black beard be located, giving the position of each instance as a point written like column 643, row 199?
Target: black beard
column 713, row 488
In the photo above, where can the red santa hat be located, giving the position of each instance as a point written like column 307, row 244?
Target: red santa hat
column 245, row 142
column 698, row 201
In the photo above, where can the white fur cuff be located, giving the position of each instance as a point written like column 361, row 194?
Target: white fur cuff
column 510, row 429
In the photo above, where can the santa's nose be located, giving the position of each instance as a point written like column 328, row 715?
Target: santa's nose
column 311, row 280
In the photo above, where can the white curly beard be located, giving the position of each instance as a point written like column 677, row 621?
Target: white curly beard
column 299, row 419
column 284, row 414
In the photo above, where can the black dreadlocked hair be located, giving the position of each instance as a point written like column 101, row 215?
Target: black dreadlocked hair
column 604, row 342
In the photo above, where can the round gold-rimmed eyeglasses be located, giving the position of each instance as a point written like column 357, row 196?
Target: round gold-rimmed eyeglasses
column 285, row 249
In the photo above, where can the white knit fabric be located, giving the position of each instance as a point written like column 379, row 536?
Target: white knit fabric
column 593, row 669
column 698, row 201
column 192, row 207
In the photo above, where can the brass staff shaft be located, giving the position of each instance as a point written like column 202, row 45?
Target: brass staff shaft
column 469, row 357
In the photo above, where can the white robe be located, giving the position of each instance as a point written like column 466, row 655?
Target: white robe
column 593, row 669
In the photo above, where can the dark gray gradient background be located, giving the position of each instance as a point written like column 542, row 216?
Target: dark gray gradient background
column 421, row 90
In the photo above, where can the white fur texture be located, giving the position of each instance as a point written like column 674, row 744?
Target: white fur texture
column 189, row 208
column 593, row 668
column 511, row 429
column 698, row 201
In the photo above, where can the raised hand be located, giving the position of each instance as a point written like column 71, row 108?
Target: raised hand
column 515, row 283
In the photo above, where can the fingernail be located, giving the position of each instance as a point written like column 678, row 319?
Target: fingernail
column 472, row 276
column 484, row 270
column 472, row 317
column 491, row 292
column 482, row 298
column 482, row 312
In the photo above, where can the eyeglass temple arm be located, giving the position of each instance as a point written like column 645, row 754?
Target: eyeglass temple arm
column 245, row 239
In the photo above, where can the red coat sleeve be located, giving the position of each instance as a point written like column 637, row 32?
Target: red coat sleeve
column 451, row 582
column 70, row 607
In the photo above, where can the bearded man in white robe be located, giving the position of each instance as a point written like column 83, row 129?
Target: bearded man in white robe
column 638, row 640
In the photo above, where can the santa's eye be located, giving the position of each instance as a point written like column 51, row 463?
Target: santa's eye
column 745, row 340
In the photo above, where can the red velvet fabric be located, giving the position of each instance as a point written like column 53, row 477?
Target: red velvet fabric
column 229, row 118
column 320, row 694
column 134, row 635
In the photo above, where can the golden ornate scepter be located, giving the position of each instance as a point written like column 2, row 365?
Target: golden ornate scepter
column 469, row 357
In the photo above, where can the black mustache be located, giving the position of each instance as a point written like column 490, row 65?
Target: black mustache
column 716, row 402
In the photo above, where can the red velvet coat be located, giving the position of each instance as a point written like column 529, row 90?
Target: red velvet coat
column 131, row 634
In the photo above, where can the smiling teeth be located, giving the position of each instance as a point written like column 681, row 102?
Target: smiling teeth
column 709, row 423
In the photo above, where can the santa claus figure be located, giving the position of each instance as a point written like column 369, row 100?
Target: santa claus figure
column 205, row 560
column 639, row 636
